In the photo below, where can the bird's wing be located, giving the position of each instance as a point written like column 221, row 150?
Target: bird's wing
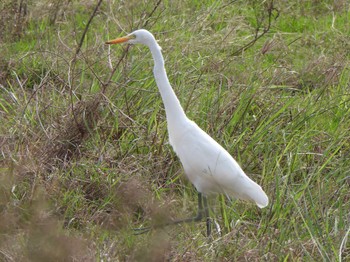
column 212, row 169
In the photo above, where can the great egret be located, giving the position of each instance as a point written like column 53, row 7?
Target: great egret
column 209, row 167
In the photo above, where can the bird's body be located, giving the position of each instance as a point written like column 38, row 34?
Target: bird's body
column 209, row 167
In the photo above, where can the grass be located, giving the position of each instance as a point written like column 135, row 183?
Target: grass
column 85, row 156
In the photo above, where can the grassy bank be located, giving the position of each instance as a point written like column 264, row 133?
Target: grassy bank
column 85, row 156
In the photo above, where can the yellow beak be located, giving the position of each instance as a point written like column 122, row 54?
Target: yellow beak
column 118, row 40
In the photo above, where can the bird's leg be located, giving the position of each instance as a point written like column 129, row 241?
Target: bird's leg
column 199, row 215
column 207, row 217
column 201, row 212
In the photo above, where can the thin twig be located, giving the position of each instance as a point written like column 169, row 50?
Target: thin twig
column 86, row 28
column 105, row 85
column 257, row 36
column 151, row 13
column 343, row 244
column 72, row 63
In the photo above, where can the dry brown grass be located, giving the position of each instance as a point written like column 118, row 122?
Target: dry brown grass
column 69, row 132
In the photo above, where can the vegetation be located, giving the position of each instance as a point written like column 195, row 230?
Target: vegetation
column 84, row 151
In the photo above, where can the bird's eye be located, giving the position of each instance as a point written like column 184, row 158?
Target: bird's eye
column 132, row 36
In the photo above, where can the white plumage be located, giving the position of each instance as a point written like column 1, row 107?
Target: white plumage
column 209, row 167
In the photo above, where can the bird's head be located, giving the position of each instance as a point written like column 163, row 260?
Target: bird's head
column 141, row 36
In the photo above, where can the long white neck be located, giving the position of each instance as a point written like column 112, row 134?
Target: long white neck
column 174, row 112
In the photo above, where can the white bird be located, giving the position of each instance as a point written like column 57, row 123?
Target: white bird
column 209, row 167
